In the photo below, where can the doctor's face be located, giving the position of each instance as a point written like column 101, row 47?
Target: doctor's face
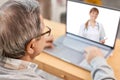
column 93, row 15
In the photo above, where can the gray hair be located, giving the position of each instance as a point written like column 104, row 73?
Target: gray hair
column 19, row 23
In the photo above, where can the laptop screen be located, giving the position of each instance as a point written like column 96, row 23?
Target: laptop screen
column 92, row 22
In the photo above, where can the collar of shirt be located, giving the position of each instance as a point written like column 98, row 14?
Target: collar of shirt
column 96, row 24
column 17, row 64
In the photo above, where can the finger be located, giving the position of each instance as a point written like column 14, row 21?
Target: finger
column 49, row 38
column 87, row 49
column 49, row 45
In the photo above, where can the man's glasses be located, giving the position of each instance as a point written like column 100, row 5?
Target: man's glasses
column 47, row 31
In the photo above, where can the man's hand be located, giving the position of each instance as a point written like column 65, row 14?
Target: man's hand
column 92, row 52
column 49, row 41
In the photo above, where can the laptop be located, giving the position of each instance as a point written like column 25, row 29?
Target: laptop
column 71, row 46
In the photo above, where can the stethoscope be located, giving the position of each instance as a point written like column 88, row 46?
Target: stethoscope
column 85, row 30
column 97, row 26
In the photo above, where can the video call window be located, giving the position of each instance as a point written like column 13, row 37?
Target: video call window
column 93, row 22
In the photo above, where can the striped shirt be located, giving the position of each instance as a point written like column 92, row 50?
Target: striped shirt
column 15, row 69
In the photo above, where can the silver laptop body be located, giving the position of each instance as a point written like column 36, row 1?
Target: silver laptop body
column 70, row 47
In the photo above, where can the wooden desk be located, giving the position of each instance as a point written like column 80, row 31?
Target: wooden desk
column 68, row 71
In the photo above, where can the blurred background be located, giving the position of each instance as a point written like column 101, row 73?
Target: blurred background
column 55, row 10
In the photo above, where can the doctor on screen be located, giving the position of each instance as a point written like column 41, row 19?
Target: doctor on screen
column 92, row 29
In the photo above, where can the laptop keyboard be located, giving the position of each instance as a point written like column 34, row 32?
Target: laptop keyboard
column 71, row 51
column 67, row 49
column 66, row 54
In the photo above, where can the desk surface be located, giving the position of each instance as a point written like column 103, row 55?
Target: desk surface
column 58, row 30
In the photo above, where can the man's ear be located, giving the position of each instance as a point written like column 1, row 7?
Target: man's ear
column 30, row 47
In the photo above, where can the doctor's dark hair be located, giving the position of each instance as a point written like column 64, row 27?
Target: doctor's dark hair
column 91, row 10
column 19, row 23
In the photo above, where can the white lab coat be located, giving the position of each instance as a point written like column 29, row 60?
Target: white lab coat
column 95, row 33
